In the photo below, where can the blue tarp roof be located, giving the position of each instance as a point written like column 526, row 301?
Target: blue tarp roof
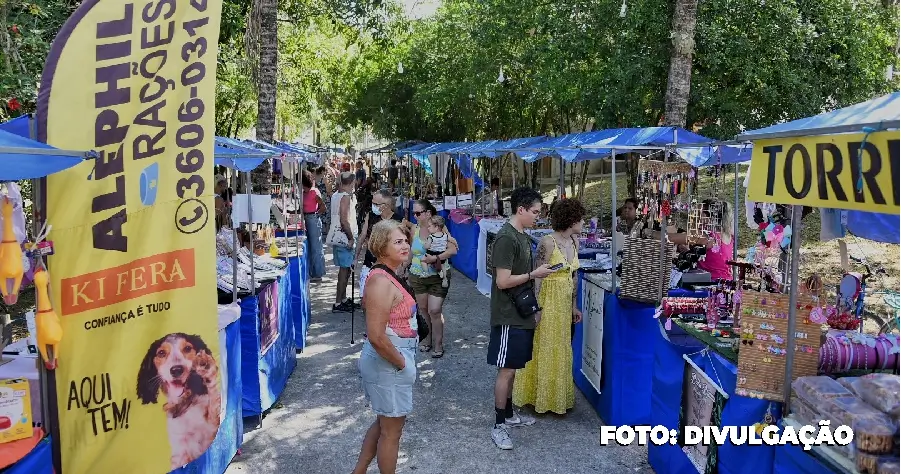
column 874, row 226
column 18, row 126
column 881, row 113
column 713, row 155
column 23, row 158
column 238, row 155
column 576, row 147
column 407, row 151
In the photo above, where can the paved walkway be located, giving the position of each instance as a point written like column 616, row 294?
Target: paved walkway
column 318, row 425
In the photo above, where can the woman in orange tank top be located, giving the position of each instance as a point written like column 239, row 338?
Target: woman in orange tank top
column 387, row 362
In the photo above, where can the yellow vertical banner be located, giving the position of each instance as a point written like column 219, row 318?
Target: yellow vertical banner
column 133, row 276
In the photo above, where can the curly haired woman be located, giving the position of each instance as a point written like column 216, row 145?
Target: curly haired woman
column 546, row 382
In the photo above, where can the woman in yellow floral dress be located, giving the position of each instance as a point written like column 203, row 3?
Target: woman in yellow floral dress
column 546, row 382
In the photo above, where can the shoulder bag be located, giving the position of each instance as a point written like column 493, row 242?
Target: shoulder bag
column 422, row 326
column 523, row 296
column 336, row 235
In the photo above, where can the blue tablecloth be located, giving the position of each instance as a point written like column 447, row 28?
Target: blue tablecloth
column 264, row 376
column 231, row 428
column 790, row 459
column 467, row 235
column 299, row 273
column 667, row 399
column 626, row 362
column 38, row 461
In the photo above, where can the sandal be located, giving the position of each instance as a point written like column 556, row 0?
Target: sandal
column 425, row 348
column 438, row 354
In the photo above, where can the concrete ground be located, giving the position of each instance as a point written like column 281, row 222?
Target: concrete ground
column 318, row 424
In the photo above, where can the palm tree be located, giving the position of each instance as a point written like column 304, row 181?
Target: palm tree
column 261, row 44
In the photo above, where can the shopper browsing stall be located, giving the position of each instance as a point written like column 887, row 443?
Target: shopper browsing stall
column 341, row 237
column 313, row 207
column 512, row 324
column 546, row 382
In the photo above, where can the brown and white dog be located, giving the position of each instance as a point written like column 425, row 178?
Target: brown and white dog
column 183, row 368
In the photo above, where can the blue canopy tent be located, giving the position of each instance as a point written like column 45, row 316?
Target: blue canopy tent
column 20, row 126
column 237, row 155
column 23, row 158
column 881, row 113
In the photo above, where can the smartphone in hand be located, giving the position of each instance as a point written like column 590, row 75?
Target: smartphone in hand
column 556, row 267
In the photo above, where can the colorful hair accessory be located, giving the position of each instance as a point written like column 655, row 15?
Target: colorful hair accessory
column 777, row 339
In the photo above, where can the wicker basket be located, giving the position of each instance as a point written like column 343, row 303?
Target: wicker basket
column 645, row 277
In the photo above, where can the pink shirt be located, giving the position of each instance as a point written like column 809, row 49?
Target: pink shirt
column 715, row 260
column 311, row 200
column 403, row 315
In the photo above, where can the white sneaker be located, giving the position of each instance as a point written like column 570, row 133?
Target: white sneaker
column 501, row 438
column 519, row 419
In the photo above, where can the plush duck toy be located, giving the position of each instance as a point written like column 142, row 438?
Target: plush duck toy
column 11, row 269
column 50, row 331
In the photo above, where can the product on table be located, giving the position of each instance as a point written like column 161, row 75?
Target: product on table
column 872, row 463
column 813, row 389
column 805, row 413
column 883, row 391
column 874, row 436
column 889, row 466
column 851, row 383
column 848, row 410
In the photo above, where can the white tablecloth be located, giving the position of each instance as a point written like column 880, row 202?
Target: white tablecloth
column 483, row 284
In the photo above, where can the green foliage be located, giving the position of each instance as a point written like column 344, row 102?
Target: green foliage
column 27, row 29
column 574, row 65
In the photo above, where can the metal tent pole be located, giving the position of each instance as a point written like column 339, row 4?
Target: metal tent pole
column 562, row 180
column 234, row 183
column 792, row 304
column 249, row 185
column 735, row 225
column 613, row 249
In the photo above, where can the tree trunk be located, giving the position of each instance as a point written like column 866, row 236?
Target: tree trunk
column 268, row 77
column 678, row 84
column 582, row 180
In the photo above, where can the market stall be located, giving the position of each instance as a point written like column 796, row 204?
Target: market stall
column 864, row 136
column 261, row 283
column 27, row 448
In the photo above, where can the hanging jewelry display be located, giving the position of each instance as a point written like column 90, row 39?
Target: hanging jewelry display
column 661, row 184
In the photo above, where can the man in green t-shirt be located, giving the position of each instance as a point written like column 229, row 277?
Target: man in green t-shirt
column 510, row 344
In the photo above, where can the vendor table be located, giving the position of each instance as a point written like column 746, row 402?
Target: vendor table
column 231, row 427
column 666, row 400
column 38, row 461
column 268, row 353
column 630, row 334
column 298, row 272
column 627, row 358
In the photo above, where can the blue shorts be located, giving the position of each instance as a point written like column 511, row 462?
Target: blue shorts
column 388, row 390
column 343, row 256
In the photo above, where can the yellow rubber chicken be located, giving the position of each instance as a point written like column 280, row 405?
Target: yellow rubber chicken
column 50, row 331
column 11, row 269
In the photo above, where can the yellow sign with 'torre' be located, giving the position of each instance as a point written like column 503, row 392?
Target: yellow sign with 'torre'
column 830, row 171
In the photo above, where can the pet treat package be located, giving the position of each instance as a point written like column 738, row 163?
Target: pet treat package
column 883, row 391
column 15, row 410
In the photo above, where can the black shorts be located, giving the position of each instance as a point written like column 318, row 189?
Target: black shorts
column 509, row 347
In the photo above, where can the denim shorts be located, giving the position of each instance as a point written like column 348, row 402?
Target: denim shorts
column 388, row 390
column 343, row 256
